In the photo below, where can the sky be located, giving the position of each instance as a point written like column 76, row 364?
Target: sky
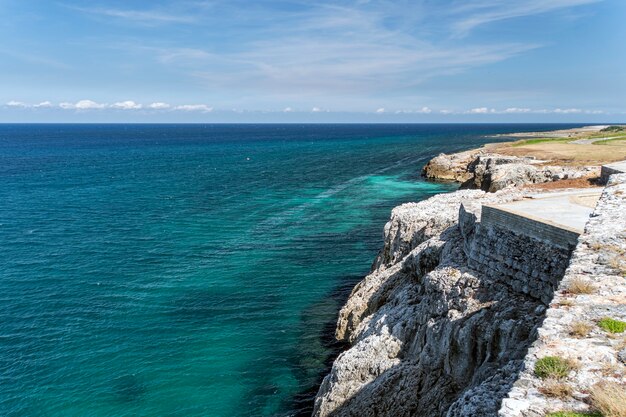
column 313, row 61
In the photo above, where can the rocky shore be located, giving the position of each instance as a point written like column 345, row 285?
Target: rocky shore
column 455, row 312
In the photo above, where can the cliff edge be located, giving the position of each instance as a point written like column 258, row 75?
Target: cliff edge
column 443, row 324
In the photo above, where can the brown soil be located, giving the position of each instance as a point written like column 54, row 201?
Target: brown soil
column 589, row 182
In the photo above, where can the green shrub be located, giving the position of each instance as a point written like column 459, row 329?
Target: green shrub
column 613, row 129
column 612, row 326
column 572, row 414
column 552, row 367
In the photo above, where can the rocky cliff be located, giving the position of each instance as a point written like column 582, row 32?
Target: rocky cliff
column 443, row 323
column 431, row 333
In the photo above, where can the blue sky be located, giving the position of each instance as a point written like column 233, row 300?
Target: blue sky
column 313, row 61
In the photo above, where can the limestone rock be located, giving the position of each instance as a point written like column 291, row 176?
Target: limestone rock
column 451, row 167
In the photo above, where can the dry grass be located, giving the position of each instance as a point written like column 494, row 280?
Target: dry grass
column 555, row 389
column 563, row 153
column 611, row 369
column 618, row 263
column 596, row 246
column 580, row 329
column 566, row 303
column 580, row 286
column 609, row 398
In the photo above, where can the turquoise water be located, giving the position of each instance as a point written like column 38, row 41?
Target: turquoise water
column 191, row 270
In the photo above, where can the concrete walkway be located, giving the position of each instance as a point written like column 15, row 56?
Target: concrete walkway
column 568, row 209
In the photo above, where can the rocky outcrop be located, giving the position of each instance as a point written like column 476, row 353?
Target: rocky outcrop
column 450, row 167
column 432, row 332
column 492, row 172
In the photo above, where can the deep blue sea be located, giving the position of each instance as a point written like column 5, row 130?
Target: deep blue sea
column 191, row 270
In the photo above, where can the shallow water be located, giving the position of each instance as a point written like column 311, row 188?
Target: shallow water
column 191, row 270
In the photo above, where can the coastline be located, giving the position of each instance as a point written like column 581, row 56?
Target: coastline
column 428, row 241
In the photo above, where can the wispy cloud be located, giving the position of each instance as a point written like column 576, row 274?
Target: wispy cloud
column 299, row 52
column 480, row 13
column 141, row 16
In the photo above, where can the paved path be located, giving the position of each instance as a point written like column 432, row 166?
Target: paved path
column 589, row 141
column 568, row 208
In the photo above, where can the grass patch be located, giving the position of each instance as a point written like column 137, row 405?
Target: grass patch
column 580, row 286
column 580, row 329
column 609, row 399
column 540, row 140
column 612, row 326
column 572, row 414
column 553, row 367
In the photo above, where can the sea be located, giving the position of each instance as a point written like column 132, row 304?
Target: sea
column 193, row 270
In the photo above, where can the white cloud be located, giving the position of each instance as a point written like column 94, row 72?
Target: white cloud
column 425, row 110
column 517, row 110
column 287, row 110
column 194, row 107
column 43, row 104
column 82, row 105
column 159, row 106
column 126, row 105
column 380, row 110
column 14, row 103
column 479, row 110
column 567, row 111
column 316, row 110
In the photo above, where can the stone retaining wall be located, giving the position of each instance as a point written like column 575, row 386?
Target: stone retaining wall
column 541, row 230
column 527, row 265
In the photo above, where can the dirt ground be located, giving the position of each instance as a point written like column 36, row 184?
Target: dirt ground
column 589, row 182
column 563, row 153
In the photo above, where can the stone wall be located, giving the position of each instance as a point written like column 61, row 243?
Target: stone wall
column 527, row 265
column 555, row 235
